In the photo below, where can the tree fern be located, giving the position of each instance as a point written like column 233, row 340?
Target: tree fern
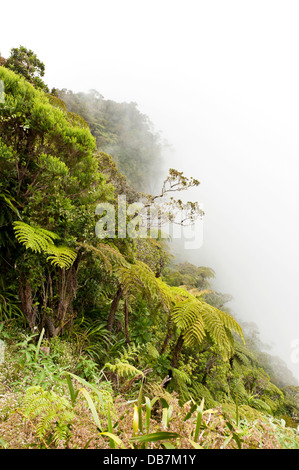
column 109, row 254
column 61, row 256
column 243, row 355
column 40, row 240
column 140, row 277
column 35, row 238
column 196, row 320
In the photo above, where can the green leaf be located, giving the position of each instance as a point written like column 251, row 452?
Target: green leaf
column 156, row 436
column 114, row 438
column 73, row 393
column 91, row 407
column 110, row 428
column 38, row 344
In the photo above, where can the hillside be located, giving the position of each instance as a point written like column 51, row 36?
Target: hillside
column 107, row 342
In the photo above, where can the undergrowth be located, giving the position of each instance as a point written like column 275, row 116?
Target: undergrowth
column 57, row 400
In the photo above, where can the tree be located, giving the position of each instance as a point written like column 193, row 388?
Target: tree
column 50, row 179
column 25, row 62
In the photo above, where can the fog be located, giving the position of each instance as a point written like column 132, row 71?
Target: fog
column 220, row 80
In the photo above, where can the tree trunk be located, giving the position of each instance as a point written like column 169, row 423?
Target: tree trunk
column 168, row 335
column 177, row 351
column 113, row 309
column 126, row 312
column 25, row 297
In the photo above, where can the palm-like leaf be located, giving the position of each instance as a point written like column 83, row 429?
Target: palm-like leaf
column 40, row 240
column 35, row 238
column 196, row 319
column 61, row 256
column 109, row 254
column 140, row 277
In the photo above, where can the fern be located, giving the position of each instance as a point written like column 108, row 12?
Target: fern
column 182, row 380
column 109, row 254
column 122, row 365
column 123, row 368
column 152, row 351
column 198, row 391
column 243, row 355
column 35, row 238
column 259, row 404
column 40, row 240
column 196, row 320
column 140, row 277
column 61, row 256
column 53, row 413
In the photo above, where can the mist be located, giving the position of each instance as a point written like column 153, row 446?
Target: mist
column 220, row 81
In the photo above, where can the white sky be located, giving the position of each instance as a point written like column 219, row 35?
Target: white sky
column 220, row 79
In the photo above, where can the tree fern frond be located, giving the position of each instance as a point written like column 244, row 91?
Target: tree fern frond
column 216, row 329
column 244, row 355
column 140, row 277
column 181, row 293
column 40, row 240
column 231, row 324
column 195, row 333
column 110, row 255
column 35, row 238
column 61, row 256
column 197, row 319
column 185, row 313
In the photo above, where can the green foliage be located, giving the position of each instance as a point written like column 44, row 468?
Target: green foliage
column 102, row 295
column 122, row 365
column 53, row 413
column 197, row 319
column 41, row 241
column 26, row 63
column 123, row 132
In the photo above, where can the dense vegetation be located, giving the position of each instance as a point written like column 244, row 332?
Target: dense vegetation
column 109, row 342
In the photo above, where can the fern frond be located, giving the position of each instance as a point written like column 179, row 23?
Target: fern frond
column 123, row 368
column 181, row 376
column 61, row 256
column 35, row 238
column 181, row 293
column 140, row 277
column 197, row 319
column 244, row 355
column 152, row 351
column 187, row 316
column 53, row 412
column 122, row 365
column 40, row 240
column 198, row 391
column 231, row 324
column 260, row 405
column 109, row 255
